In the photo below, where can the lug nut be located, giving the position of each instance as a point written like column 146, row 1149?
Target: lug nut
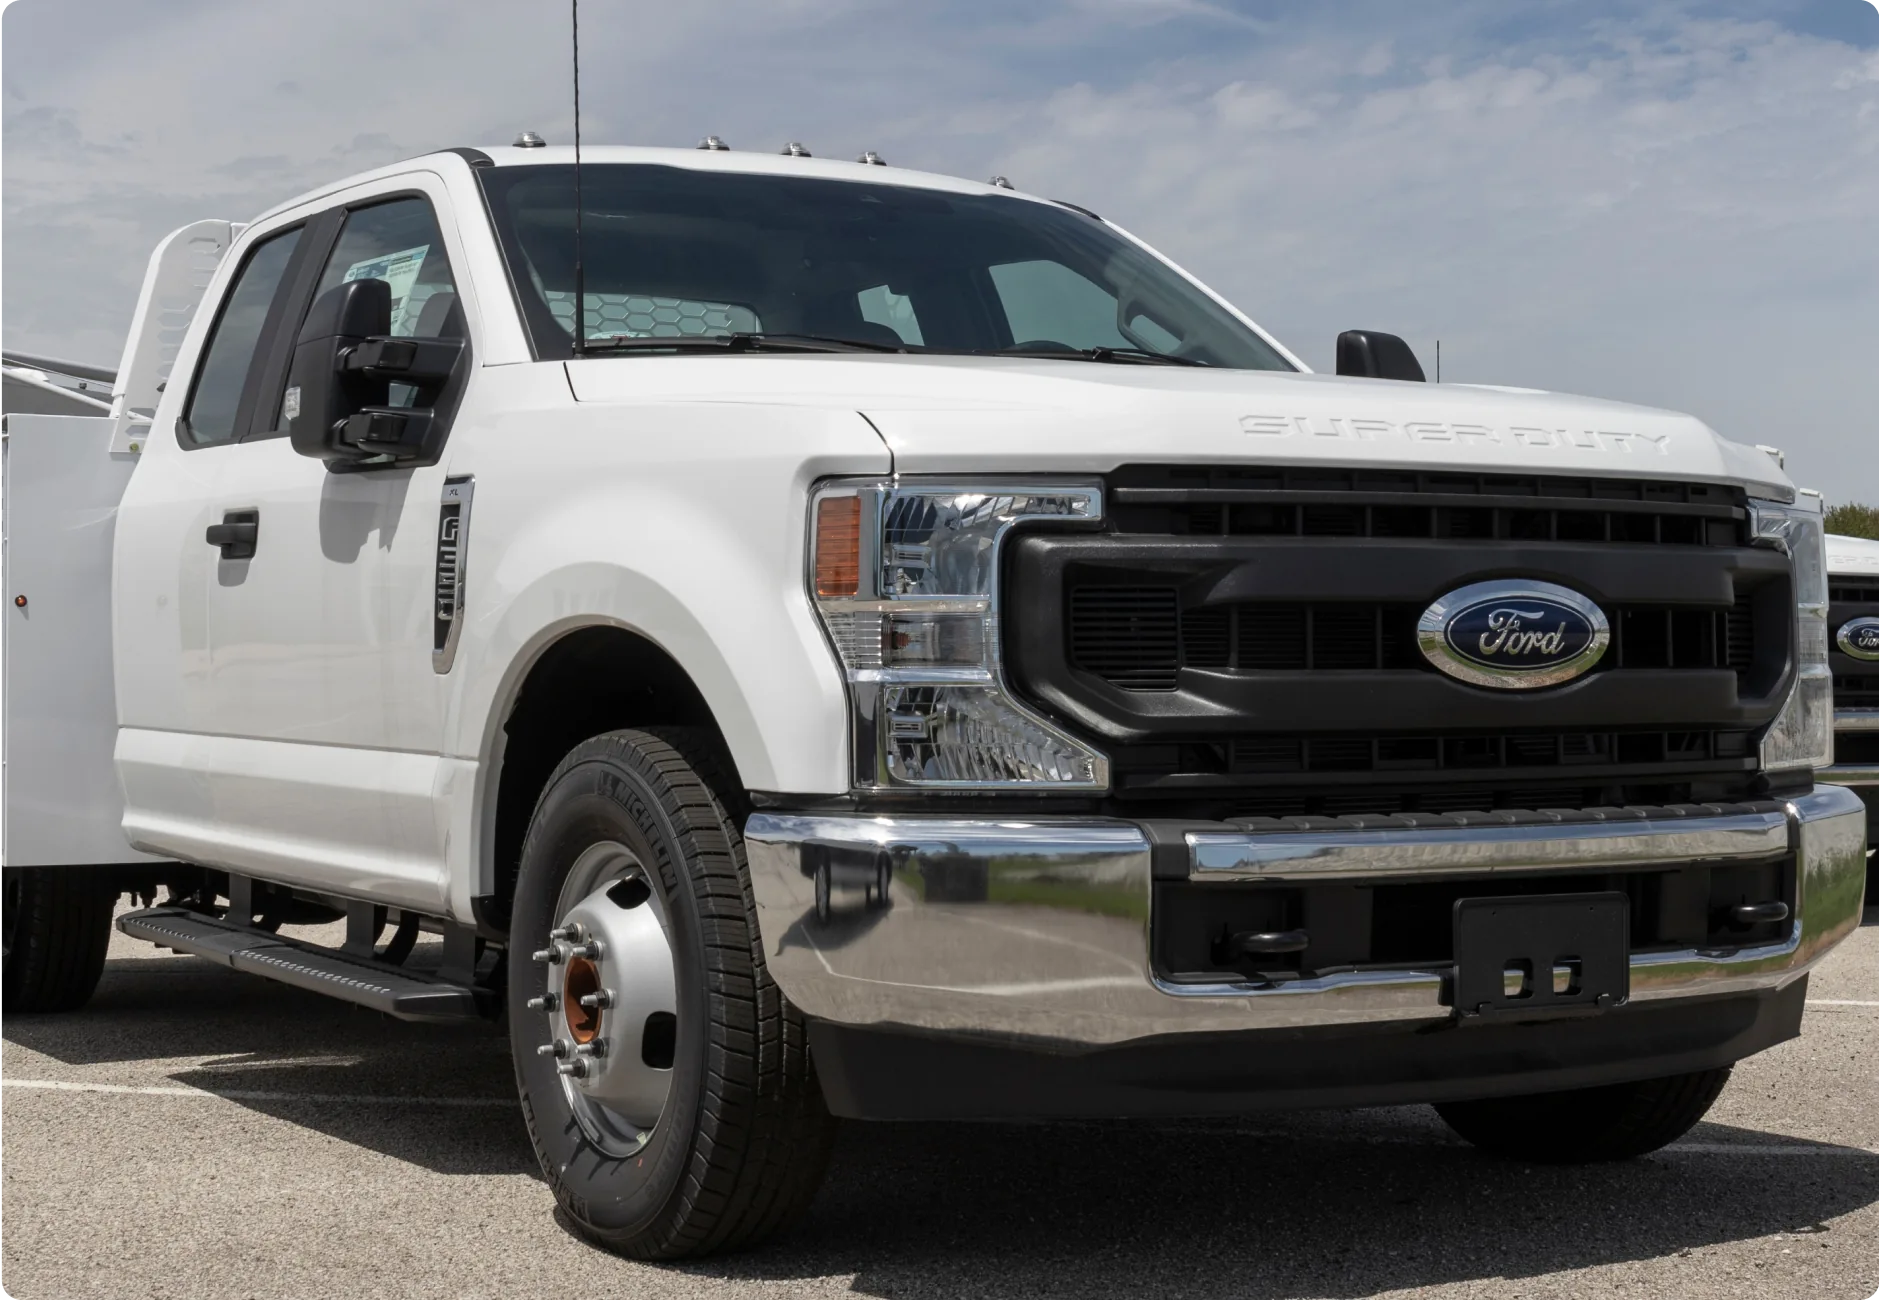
column 590, row 950
column 546, row 1002
column 557, row 1049
column 598, row 1001
column 595, row 1049
column 572, row 1069
column 570, row 932
column 554, row 954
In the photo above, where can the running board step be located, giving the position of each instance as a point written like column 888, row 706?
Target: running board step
column 406, row 994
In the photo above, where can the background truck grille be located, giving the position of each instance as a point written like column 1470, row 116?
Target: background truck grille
column 1855, row 681
column 1246, row 638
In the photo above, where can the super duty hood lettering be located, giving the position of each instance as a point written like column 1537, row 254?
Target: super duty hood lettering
column 1370, row 429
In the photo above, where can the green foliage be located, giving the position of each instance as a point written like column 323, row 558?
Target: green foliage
column 1854, row 520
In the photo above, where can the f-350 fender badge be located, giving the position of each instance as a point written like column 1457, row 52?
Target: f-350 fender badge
column 453, row 535
column 1513, row 635
column 1859, row 637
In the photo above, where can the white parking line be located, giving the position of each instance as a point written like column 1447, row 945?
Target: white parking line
column 250, row 1094
column 1838, row 1002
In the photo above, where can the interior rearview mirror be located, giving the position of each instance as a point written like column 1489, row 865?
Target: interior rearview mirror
column 1371, row 354
column 339, row 402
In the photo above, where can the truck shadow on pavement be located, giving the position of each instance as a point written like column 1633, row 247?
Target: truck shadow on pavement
column 339, row 1070
column 1276, row 1205
column 1316, row 1204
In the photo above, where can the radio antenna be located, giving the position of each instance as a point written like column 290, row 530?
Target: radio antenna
column 580, row 274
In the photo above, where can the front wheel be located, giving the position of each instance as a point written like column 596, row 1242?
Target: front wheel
column 1616, row 1122
column 58, row 925
column 665, row 1080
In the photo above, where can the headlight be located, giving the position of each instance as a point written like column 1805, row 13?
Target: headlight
column 905, row 577
column 1802, row 736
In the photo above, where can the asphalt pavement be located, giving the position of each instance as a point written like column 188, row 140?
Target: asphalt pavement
column 196, row 1133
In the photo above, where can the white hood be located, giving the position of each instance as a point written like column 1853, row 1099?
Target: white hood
column 1847, row 555
column 954, row 415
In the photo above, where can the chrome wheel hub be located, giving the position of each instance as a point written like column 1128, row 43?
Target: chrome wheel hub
column 611, row 998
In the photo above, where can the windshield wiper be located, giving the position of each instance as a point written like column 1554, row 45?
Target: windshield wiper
column 740, row 342
column 1115, row 356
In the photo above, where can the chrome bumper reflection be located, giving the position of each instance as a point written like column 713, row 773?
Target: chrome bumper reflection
column 1850, row 774
column 1039, row 928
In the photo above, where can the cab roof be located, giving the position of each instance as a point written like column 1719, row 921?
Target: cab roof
column 744, row 161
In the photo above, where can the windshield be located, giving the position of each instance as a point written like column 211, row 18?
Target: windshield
column 675, row 253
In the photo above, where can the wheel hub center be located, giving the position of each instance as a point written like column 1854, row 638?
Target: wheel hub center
column 581, row 981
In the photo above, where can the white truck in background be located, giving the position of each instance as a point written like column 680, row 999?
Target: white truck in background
column 842, row 641
column 1853, row 653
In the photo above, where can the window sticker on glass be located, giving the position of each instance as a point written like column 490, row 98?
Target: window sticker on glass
column 399, row 270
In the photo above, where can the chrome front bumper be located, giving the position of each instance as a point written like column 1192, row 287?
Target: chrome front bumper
column 1038, row 929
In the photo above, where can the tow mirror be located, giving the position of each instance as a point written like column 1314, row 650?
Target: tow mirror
column 1374, row 355
column 338, row 407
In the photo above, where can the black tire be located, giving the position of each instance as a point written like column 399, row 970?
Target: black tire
column 742, row 1144
column 58, row 925
column 1589, row 1125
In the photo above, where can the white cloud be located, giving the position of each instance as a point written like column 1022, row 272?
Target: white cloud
column 1650, row 205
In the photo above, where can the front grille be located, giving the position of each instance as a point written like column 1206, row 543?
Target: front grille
column 1127, row 636
column 1245, row 640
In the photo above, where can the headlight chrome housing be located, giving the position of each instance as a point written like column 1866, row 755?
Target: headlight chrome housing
column 1802, row 735
column 904, row 574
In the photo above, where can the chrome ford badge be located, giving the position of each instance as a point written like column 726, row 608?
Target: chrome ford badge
column 1859, row 637
column 1513, row 635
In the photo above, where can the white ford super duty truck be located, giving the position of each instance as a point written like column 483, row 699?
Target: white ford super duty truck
column 811, row 639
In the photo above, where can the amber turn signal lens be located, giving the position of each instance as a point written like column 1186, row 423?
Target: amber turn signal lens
column 838, row 546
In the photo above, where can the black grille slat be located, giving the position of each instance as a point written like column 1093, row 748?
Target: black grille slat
column 1108, row 623
column 1740, row 637
column 1274, row 637
column 1509, row 751
column 1130, row 636
column 1318, row 503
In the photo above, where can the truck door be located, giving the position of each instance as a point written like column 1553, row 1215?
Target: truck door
column 321, row 689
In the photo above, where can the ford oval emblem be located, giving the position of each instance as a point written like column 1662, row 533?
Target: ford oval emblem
column 1513, row 635
column 1860, row 638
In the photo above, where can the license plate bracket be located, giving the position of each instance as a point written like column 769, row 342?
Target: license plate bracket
column 1541, row 955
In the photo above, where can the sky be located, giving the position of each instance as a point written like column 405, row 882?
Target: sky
column 1671, row 203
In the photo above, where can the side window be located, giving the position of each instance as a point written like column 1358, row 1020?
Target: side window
column 215, row 399
column 1047, row 302
column 398, row 242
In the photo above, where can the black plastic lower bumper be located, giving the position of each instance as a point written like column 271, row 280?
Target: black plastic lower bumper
column 881, row 1074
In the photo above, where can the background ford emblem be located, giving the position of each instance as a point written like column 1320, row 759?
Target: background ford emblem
column 1515, row 635
column 1860, row 638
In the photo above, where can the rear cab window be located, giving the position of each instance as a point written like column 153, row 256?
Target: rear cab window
column 231, row 359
